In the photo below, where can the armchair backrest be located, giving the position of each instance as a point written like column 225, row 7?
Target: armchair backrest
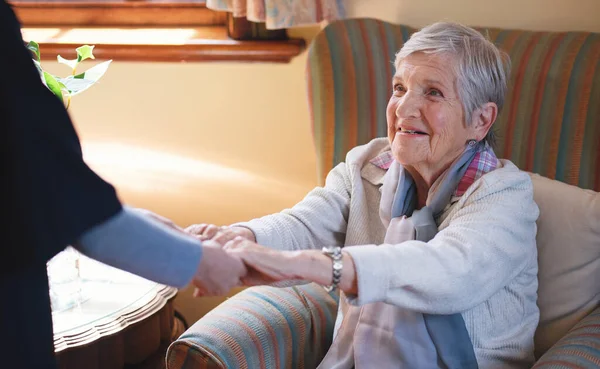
column 550, row 123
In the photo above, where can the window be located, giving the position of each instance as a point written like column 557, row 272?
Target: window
column 150, row 30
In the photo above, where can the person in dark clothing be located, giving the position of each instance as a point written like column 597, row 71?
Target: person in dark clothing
column 50, row 199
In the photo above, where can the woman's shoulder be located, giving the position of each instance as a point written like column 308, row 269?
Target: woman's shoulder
column 507, row 178
column 371, row 160
column 508, row 175
column 505, row 190
column 362, row 154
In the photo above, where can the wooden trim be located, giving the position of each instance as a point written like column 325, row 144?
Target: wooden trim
column 116, row 13
column 242, row 51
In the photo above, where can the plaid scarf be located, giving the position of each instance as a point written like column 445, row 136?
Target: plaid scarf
column 484, row 162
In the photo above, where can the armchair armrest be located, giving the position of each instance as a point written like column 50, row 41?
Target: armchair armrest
column 260, row 327
column 580, row 348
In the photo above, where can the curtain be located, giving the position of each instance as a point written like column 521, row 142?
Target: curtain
column 278, row 14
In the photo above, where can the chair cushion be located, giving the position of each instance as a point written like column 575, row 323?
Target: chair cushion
column 580, row 348
column 568, row 242
column 259, row 328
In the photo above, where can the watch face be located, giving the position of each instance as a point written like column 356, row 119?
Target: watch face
column 329, row 249
column 333, row 252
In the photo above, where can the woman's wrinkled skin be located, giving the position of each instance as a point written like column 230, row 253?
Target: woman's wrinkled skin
column 425, row 99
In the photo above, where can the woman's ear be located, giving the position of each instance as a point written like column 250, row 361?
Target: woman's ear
column 483, row 119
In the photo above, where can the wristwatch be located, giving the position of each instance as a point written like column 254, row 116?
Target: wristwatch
column 335, row 253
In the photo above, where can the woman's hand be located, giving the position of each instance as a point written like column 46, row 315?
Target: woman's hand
column 220, row 235
column 265, row 266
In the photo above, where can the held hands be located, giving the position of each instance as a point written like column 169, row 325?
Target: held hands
column 216, row 237
column 218, row 271
column 242, row 262
column 231, row 257
column 264, row 265
column 268, row 266
column 220, row 235
column 203, row 231
column 222, row 268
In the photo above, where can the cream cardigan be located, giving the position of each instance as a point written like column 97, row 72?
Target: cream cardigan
column 482, row 263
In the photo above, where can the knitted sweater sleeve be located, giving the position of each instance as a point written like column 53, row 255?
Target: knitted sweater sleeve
column 320, row 219
column 488, row 241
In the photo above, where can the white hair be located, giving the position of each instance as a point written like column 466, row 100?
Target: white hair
column 482, row 68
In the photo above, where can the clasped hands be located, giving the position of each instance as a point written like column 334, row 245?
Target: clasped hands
column 231, row 258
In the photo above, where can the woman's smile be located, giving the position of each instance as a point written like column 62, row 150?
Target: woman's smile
column 410, row 132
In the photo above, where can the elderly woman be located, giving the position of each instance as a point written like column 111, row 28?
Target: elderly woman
column 429, row 236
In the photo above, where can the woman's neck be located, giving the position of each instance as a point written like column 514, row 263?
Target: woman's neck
column 421, row 184
column 424, row 177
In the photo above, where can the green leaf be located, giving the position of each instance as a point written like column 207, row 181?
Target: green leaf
column 85, row 52
column 95, row 72
column 72, row 63
column 81, row 82
column 38, row 66
column 34, row 48
column 76, row 85
column 54, row 86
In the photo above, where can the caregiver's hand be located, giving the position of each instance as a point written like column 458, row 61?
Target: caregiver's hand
column 218, row 271
column 220, row 235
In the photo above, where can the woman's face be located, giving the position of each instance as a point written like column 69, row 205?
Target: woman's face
column 425, row 116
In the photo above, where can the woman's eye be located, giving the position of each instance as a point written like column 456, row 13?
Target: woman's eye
column 399, row 88
column 435, row 92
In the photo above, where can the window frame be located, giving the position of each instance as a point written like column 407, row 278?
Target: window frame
column 113, row 13
column 247, row 41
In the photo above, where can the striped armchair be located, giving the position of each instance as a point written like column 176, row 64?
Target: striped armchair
column 550, row 125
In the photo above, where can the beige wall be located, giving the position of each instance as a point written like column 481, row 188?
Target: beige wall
column 200, row 142
column 224, row 142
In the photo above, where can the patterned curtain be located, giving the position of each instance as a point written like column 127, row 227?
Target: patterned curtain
column 278, row 14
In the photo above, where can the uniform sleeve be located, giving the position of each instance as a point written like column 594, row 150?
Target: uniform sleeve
column 51, row 195
column 133, row 242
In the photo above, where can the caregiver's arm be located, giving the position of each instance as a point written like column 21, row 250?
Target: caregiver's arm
column 138, row 244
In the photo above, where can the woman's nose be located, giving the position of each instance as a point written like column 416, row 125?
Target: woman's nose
column 409, row 106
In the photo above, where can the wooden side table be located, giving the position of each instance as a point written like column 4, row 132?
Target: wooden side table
column 120, row 321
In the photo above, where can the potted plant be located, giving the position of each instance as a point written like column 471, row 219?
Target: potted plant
column 74, row 84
